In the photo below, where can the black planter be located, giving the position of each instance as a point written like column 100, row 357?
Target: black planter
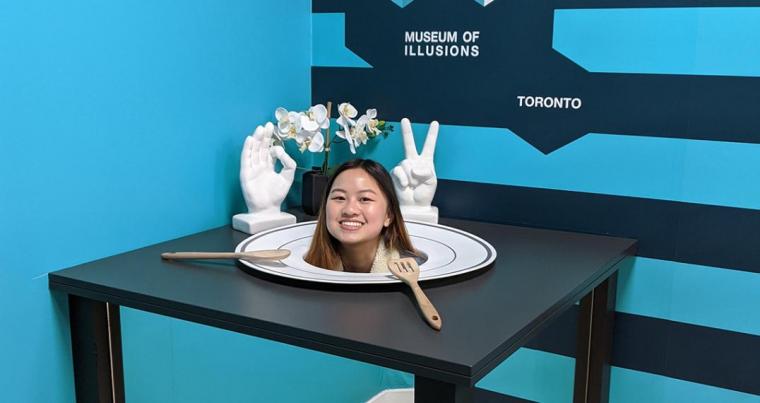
column 312, row 190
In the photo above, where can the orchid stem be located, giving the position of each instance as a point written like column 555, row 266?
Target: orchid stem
column 326, row 161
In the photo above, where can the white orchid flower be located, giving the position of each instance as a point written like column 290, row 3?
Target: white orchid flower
column 282, row 119
column 360, row 137
column 346, row 134
column 372, row 127
column 318, row 113
column 303, row 136
column 358, row 133
column 372, row 122
column 307, row 123
column 310, row 136
column 307, row 127
column 295, row 124
column 347, row 112
column 355, row 135
column 315, row 118
column 288, row 123
column 312, row 141
column 317, row 143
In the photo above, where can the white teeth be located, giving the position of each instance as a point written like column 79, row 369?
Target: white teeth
column 351, row 223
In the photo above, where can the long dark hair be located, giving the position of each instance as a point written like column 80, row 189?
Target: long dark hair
column 323, row 251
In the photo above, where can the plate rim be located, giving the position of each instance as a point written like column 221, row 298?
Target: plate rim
column 389, row 279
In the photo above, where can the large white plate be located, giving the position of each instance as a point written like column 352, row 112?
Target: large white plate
column 450, row 252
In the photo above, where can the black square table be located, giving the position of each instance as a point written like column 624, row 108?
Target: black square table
column 487, row 315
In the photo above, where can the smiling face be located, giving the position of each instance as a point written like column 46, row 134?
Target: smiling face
column 356, row 209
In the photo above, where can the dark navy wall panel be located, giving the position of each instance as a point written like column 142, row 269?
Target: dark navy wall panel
column 667, row 94
column 517, row 64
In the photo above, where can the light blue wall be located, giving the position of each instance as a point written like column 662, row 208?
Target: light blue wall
column 698, row 40
column 120, row 126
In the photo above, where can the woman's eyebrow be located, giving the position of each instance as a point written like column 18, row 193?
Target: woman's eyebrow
column 361, row 191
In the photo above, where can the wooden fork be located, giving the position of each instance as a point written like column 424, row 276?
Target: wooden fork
column 406, row 270
column 273, row 254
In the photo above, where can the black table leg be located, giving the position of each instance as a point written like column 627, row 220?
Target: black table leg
column 595, row 326
column 428, row 390
column 96, row 346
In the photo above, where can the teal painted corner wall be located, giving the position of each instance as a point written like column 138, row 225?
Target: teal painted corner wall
column 120, row 126
column 194, row 363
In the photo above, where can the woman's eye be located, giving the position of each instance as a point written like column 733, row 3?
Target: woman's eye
column 365, row 199
column 338, row 198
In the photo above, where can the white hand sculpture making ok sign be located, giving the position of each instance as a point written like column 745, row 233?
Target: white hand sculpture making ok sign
column 414, row 178
column 264, row 189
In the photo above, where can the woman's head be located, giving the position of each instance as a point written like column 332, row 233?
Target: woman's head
column 356, row 208
column 359, row 208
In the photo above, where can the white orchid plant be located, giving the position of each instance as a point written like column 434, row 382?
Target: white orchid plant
column 305, row 128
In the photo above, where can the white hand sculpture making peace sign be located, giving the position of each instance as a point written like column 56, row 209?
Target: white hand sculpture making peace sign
column 414, row 178
column 264, row 189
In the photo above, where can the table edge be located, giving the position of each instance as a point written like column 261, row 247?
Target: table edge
column 263, row 329
column 483, row 367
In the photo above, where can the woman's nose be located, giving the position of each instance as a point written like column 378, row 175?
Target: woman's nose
column 350, row 208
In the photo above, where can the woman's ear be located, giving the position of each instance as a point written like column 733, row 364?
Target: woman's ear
column 388, row 220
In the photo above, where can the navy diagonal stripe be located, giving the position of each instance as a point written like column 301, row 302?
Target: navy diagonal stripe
column 692, row 353
column 684, row 232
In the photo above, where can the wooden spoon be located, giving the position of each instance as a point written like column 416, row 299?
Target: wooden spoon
column 273, row 254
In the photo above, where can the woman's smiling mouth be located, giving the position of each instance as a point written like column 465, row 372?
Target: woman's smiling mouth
column 350, row 225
